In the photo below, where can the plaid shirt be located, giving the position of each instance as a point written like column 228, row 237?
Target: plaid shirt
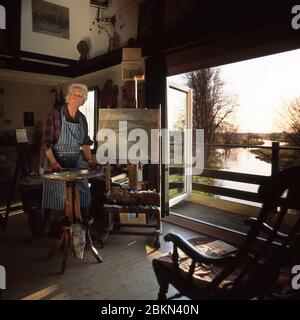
column 52, row 127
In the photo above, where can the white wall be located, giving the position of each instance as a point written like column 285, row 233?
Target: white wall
column 126, row 12
column 21, row 97
column 81, row 17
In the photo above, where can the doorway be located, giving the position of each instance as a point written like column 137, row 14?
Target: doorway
column 179, row 119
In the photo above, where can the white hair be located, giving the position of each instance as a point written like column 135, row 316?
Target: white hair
column 81, row 86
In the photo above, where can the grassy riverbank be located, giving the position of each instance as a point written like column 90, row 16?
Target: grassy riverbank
column 287, row 158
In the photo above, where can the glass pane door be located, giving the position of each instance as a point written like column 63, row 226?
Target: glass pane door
column 179, row 119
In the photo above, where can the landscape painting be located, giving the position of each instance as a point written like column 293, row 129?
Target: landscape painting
column 51, row 19
column 143, row 119
column 100, row 3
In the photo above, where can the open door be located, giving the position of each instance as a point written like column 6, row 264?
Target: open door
column 179, row 118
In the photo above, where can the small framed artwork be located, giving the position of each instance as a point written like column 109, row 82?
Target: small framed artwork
column 21, row 135
column 133, row 70
column 50, row 18
column 100, row 3
column 131, row 54
column 28, row 119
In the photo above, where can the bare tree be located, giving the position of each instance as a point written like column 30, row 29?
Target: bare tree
column 228, row 133
column 289, row 120
column 180, row 123
column 212, row 106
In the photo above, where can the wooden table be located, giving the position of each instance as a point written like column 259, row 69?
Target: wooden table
column 71, row 179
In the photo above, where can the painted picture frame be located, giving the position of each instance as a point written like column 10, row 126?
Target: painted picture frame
column 99, row 3
column 50, row 19
column 133, row 70
column 28, row 119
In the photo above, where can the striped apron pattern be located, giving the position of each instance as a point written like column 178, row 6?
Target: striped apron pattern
column 68, row 154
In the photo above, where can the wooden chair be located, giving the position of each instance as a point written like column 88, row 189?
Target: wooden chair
column 255, row 269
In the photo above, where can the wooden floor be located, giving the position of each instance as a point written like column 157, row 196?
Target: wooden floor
column 126, row 272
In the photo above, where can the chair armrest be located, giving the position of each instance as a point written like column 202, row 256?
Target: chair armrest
column 265, row 228
column 193, row 253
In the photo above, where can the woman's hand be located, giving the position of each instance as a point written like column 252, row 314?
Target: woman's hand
column 56, row 167
column 92, row 164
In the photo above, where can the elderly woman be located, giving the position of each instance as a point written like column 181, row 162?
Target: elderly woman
column 65, row 132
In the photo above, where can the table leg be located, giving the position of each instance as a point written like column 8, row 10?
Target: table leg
column 69, row 201
column 76, row 200
column 66, row 234
column 91, row 247
column 70, row 190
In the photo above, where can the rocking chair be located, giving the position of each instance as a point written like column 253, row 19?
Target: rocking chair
column 253, row 271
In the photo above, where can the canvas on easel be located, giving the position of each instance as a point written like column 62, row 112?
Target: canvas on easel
column 141, row 119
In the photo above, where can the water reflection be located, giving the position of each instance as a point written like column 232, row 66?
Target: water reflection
column 244, row 161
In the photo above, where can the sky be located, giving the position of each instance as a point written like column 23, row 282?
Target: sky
column 262, row 86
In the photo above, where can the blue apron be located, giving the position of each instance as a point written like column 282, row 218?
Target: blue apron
column 68, row 154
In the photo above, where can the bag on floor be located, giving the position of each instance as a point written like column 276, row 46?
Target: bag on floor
column 77, row 233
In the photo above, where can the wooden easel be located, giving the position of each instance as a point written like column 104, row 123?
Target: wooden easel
column 134, row 182
column 148, row 210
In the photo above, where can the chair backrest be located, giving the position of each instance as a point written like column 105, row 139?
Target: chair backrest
column 267, row 250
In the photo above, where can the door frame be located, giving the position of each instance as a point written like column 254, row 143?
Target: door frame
column 187, row 146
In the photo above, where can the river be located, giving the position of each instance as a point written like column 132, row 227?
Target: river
column 244, row 161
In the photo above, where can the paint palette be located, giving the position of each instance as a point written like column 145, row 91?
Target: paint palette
column 73, row 174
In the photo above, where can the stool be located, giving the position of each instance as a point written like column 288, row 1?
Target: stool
column 72, row 206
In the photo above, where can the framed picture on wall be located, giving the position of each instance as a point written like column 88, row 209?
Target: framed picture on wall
column 51, row 19
column 28, row 119
column 100, row 3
